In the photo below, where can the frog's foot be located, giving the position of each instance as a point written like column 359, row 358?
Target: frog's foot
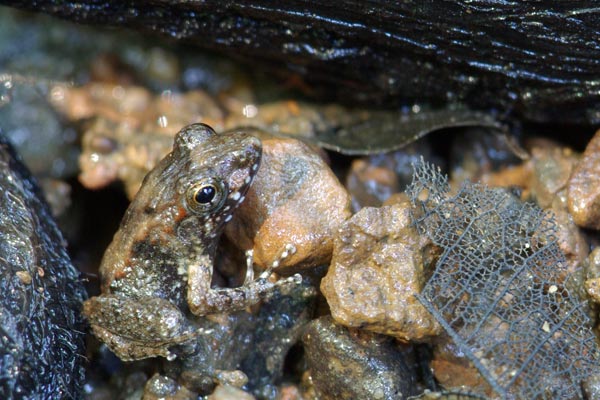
column 140, row 328
column 204, row 300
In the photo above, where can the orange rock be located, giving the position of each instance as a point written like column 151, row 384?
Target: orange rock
column 377, row 267
column 295, row 199
column 584, row 187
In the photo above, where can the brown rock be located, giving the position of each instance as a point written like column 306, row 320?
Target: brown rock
column 162, row 387
column 584, row 187
column 592, row 287
column 454, row 371
column 371, row 180
column 354, row 364
column 131, row 129
column 552, row 167
column 295, row 199
column 377, row 267
column 592, row 275
column 229, row 393
column 370, row 185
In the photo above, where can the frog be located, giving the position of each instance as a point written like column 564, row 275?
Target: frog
column 156, row 274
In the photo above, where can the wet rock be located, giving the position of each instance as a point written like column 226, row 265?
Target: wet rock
column 280, row 323
column 294, row 118
column 229, row 393
column 352, row 364
column 41, row 347
column 544, row 178
column 592, row 275
column 160, row 387
column 478, row 152
column 379, row 263
column 584, row 191
column 132, row 129
column 465, row 52
column 372, row 180
column 552, row 167
column 370, row 185
column 214, row 357
column 295, row 199
column 591, row 387
column 453, row 370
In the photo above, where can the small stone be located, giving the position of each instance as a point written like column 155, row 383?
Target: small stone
column 453, row 370
column 353, row 364
column 583, row 188
column 370, row 185
column 161, row 387
column 552, row 167
column 295, row 200
column 592, row 287
column 229, row 393
column 372, row 180
column 131, row 129
column 377, row 267
column 24, row 277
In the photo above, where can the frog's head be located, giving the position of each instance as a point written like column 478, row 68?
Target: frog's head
column 214, row 174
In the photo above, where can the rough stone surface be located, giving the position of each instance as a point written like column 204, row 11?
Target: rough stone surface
column 132, row 129
column 583, row 188
column 353, row 364
column 229, row 393
column 372, row 180
column 378, row 265
column 454, row 371
column 295, row 199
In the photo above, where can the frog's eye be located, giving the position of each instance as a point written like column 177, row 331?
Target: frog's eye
column 206, row 195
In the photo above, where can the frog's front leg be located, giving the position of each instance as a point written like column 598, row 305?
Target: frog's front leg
column 137, row 328
column 203, row 300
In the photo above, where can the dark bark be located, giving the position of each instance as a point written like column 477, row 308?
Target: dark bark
column 538, row 59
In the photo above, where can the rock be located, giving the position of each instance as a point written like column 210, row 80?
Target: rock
column 584, row 190
column 487, row 54
column 295, row 199
column 280, row 323
column 229, row 393
column 372, row 180
column 454, row 371
column 353, row 364
column 379, row 263
column 552, row 167
column 370, row 185
column 544, row 177
column 160, row 387
column 41, row 345
column 592, row 275
column 477, row 152
column 132, row 129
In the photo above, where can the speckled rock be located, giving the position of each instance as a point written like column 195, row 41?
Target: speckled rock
column 584, row 190
column 295, row 199
column 229, row 393
column 378, row 265
column 592, row 275
column 372, row 180
column 353, row 364
column 161, row 387
column 544, row 177
column 370, row 185
column 453, row 370
column 132, row 129
column 552, row 165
